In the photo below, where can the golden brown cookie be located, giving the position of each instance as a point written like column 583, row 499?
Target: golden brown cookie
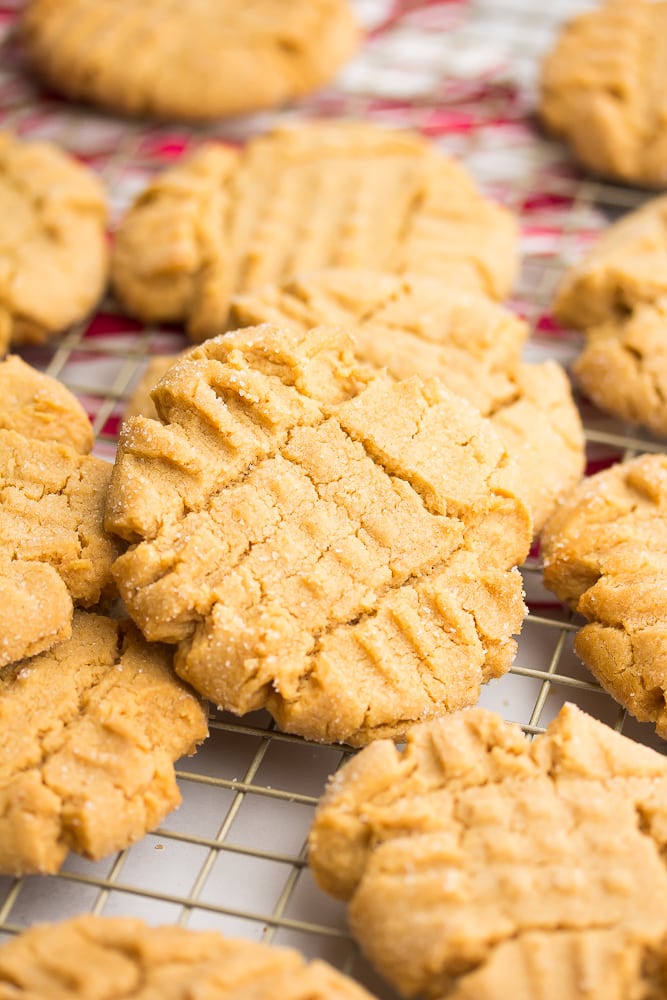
column 473, row 856
column 107, row 958
column 37, row 406
column 626, row 267
column 51, row 515
column 604, row 89
column 88, row 735
column 301, row 199
column 319, row 540
column 618, row 295
column 203, row 60
column 605, row 554
column 417, row 326
column 53, row 256
column 623, row 367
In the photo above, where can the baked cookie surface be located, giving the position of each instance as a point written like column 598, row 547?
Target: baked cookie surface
column 106, row 958
column 413, row 325
column 319, row 540
column 204, row 60
column 296, row 200
column 408, row 324
column 623, row 367
column 88, row 735
column 626, row 268
column 52, row 513
column 604, row 88
column 53, row 255
column 475, row 860
column 618, row 296
column 605, row 554
column 53, row 547
column 38, row 406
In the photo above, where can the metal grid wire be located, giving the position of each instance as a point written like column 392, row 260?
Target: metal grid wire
column 233, row 856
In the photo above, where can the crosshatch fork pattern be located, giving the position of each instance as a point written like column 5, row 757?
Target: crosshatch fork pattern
column 233, row 856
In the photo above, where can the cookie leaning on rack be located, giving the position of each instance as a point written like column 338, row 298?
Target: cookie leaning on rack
column 319, row 540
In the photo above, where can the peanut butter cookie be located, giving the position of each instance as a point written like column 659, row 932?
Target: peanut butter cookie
column 318, row 539
column 51, row 516
column 203, row 60
column 618, row 295
column 605, row 554
column 35, row 604
column 475, row 860
column 88, row 735
column 322, row 195
column 107, row 958
column 623, row 367
column 53, row 256
column 604, row 88
column 417, row 326
column 626, row 268
column 37, row 406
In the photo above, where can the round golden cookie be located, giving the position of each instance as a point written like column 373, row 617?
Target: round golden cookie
column 626, row 268
column 413, row 325
column 38, row 406
column 479, row 865
column 604, row 89
column 318, row 539
column 605, row 554
column 107, row 958
column 197, row 60
column 53, row 254
column 88, row 735
column 340, row 194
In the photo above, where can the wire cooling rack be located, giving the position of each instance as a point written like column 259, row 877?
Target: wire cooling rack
column 233, row 856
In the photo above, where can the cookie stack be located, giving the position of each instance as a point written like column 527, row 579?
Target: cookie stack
column 320, row 509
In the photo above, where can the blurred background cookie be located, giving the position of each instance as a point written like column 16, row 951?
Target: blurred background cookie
column 297, row 200
column 604, row 89
column 53, row 254
column 128, row 960
column 618, row 295
column 194, row 60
